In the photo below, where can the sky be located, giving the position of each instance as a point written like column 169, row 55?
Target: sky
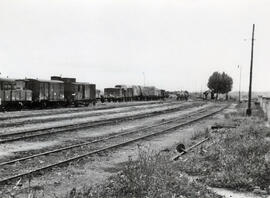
column 170, row 44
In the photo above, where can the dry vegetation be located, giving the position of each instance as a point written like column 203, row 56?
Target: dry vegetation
column 152, row 175
column 234, row 158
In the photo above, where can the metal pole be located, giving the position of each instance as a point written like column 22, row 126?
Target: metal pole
column 250, row 75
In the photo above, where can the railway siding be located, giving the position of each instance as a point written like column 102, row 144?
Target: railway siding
column 72, row 115
column 44, row 112
column 33, row 128
column 189, row 121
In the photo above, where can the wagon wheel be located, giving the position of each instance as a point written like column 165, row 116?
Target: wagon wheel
column 43, row 104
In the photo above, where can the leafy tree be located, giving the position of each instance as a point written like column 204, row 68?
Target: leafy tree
column 220, row 83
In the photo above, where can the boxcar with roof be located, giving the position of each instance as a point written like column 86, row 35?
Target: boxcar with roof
column 12, row 96
column 148, row 92
column 77, row 93
column 113, row 94
column 46, row 92
column 123, row 90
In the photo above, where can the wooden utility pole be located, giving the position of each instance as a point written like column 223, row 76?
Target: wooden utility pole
column 250, row 75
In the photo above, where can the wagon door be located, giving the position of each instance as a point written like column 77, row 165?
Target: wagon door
column 61, row 92
column 92, row 88
column 80, row 92
column 46, row 91
column 87, row 92
column 42, row 95
column 83, row 92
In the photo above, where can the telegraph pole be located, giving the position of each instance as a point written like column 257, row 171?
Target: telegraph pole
column 250, row 75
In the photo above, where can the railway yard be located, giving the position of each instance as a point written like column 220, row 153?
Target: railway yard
column 50, row 151
column 134, row 99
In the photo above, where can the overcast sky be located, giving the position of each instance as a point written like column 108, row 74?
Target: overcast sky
column 177, row 44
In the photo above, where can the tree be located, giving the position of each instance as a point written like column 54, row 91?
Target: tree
column 220, row 83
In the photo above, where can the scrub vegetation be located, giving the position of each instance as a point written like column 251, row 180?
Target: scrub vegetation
column 234, row 158
column 152, row 175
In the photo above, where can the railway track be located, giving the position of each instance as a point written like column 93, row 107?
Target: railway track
column 67, row 111
column 122, row 139
column 101, row 139
column 53, row 118
column 22, row 135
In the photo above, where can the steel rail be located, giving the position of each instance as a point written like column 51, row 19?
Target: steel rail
column 67, row 161
column 93, row 114
column 100, row 140
column 69, row 128
column 76, row 110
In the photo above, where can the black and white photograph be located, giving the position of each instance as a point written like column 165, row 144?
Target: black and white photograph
column 134, row 99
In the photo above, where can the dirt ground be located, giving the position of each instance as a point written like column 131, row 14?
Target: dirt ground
column 74, row 120
column 95, row 170
column 10, row 149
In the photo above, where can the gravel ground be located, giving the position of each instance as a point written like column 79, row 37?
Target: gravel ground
column 12, row 150
column 13, row 114
column 84, row 119
column 7, row 150
column 72, row 115
column 96, row 169
column 233, row 194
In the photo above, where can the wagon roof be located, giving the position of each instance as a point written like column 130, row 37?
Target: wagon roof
column 112, row 88
column 47, row 81
column 81, row 83
column 7, row 79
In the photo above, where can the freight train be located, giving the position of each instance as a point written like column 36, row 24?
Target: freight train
column 58, row 91
column 121, row 93
column 20, row 93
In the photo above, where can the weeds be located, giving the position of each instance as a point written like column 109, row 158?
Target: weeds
column 200, row 134
column 152, row 176
column 236, row 159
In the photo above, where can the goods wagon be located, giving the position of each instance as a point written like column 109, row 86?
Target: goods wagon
column 113, row 94
column 134, row 93
column 157, row 93
column 46, row 92
column 163, row 94
column 98, row 93
column 137, row 92
column 148, row 93
column 7, row 84
column 129, row 94
column 123, row 90
column 11, row 97
column 77, row 93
